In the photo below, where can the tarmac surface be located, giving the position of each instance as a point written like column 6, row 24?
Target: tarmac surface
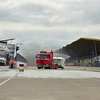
column 52, row 88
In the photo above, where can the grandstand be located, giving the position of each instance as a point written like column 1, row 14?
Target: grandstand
column 83, row 52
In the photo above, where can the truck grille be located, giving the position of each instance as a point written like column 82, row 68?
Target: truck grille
column 42, row 62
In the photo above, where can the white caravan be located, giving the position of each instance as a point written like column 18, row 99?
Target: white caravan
column 60, row 61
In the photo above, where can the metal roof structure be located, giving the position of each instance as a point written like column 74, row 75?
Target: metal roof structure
column 20, row 58
column 7, row 39
column 82, row 47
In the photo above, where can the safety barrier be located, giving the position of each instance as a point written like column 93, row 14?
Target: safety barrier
column 21, row 67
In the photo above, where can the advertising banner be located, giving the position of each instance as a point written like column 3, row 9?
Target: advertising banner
column 4, row 47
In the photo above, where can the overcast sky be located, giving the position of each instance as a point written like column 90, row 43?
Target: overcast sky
column 49, row 24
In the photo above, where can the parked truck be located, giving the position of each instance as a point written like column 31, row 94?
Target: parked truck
column 44, row 59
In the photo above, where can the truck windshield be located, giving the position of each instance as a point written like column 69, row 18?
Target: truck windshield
column 42, row 56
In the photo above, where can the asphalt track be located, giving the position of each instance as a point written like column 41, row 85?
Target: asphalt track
column 24, row 88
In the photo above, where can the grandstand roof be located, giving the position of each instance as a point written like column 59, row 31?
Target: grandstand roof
column 81, row 46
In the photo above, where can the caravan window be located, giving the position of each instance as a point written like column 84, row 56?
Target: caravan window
column 57, row 60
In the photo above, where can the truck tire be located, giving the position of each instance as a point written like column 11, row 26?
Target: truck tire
column 50, row 67
column 39, row 67
column 56, row 66
column 45, row 67
column 3, row 64
column 62, row 67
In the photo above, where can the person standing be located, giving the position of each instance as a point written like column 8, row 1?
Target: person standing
column 11, row 63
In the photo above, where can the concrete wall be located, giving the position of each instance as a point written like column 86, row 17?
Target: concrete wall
column 97, row 64
column 81, row 64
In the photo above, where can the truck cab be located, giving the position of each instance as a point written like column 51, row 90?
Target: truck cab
column 44, row 59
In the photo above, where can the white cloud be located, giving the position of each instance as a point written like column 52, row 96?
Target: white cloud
column 5, row 26
column 10, row 5
column 37, row 16
column 47, row 21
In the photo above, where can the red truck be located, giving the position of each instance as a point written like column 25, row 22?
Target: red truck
column 44, row 59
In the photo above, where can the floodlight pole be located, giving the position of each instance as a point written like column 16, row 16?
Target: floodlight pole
column 15, row 53
column 15, row 48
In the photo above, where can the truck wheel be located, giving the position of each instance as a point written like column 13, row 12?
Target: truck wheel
column 50, row 67
column 56, row 67
column 45, row 67
column 39, row 67
column 62, row 67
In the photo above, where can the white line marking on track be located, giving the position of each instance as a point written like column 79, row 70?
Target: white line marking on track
column 8, row 79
